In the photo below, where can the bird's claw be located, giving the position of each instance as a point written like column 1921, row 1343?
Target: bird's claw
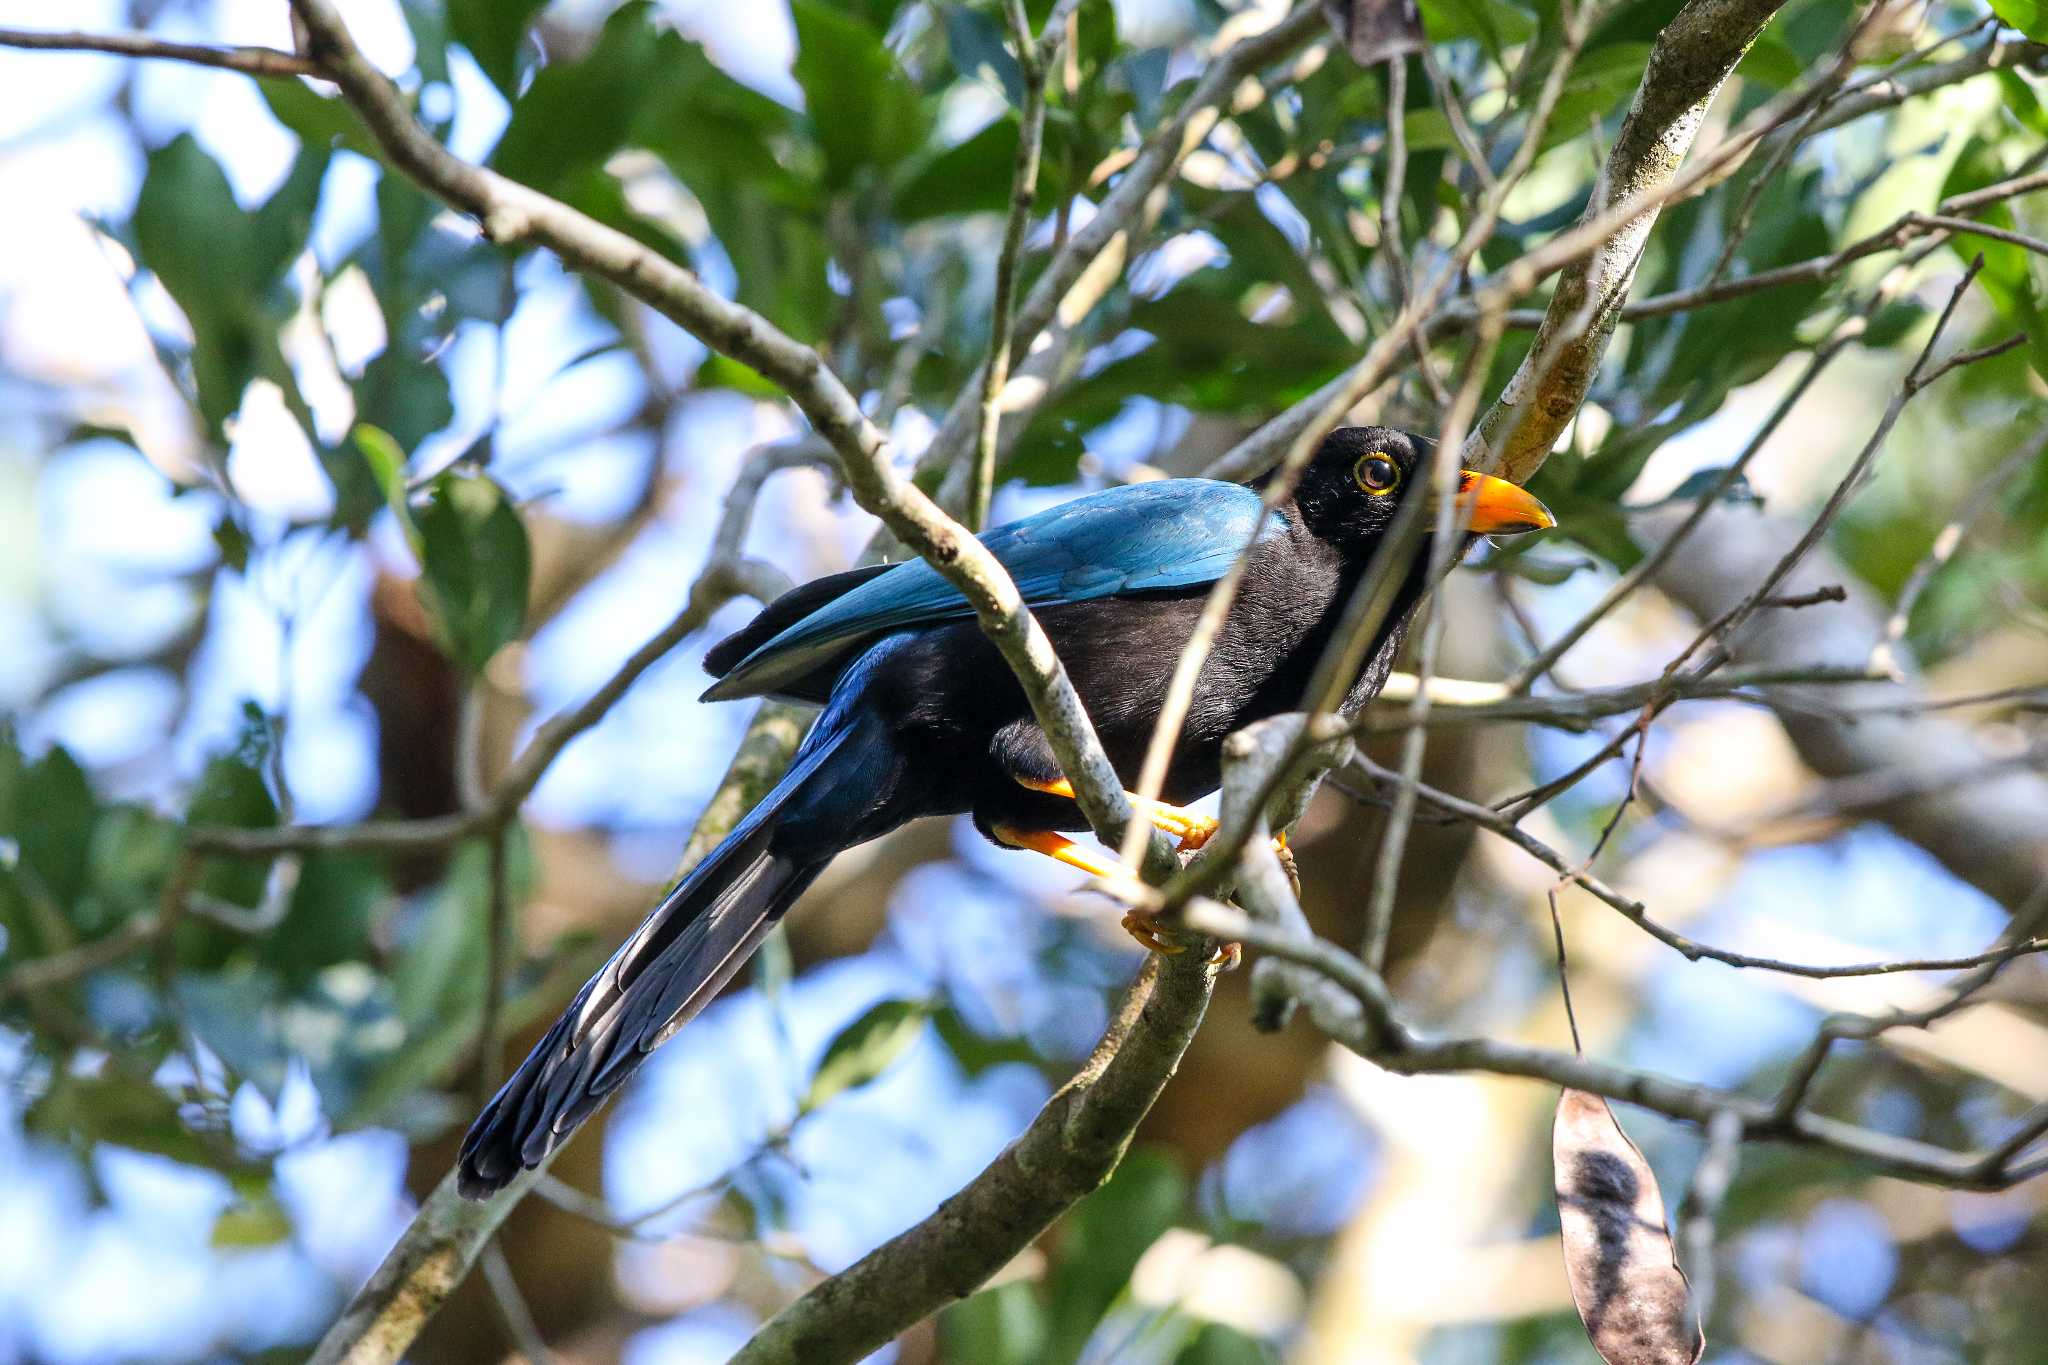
column 1191, row 832
column 1225, row 957
column 1285, row 854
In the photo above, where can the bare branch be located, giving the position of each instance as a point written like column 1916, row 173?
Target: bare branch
column 1384, row 1039
column 250, row 61
column 995, row 371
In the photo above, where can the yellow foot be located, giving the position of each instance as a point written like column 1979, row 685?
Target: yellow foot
column 1192, row 830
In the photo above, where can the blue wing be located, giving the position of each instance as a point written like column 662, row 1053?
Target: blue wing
column 1170, row 533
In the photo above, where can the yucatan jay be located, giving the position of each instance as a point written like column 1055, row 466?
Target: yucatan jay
column 923, row 717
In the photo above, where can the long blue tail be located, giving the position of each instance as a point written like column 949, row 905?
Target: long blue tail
column 702, row 932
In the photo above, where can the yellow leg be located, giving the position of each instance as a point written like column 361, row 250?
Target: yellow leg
column 1190, row 828
column 1140, row 927
column 1060, row 848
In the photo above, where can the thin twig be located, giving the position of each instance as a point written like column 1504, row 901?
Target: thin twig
column 995, row 371
column 512, row 1309
column 250, row 61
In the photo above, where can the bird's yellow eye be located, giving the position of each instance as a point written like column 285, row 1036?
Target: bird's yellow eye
column 1377, row 475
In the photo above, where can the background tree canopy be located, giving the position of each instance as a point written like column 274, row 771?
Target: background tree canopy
column 366, row 518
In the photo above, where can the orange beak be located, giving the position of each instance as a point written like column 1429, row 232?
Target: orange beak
column 1499, row 508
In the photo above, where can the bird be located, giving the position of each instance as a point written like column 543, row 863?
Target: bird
column 923, row 717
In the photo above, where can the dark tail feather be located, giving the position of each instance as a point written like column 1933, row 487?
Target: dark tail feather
column 672, row 966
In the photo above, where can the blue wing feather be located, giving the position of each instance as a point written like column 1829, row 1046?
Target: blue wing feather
column 1146, row 537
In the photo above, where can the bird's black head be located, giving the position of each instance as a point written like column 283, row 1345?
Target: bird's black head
column 1360, row 475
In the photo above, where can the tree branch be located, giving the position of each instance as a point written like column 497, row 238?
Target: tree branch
column 1069, row 1149
column 513, row 214
column 1692, row 57
column 250, row 61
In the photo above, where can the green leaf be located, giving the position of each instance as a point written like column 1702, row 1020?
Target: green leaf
column 52, row 824
column 476, row 566
column 202, row 248
column 330, row 915
column 2028, row 16
column 973, row 177
column 437, row 977
column 1495, row 23
column 1600, row 85
column 278, row 230
column 576, row 114
column 232, row 541
column 387, row 468
column 723, row 372
column 254, row 1221
column 1217, row 1344
column 865, row 1049
column 319, row 120
column 1106, row 1235
column 1771, row 62
column 863, row 108
column 494, row 31
column 978, row 51
column 1000, row 1326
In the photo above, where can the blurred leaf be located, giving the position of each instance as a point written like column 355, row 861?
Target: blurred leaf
column 576, row 114
column 256, row 1220
column 201, row 246
column 1771, row 62
column 2028, row 16
column 1000, row 1326
column 1497, row 24
column 84, row 1110
column 2011, row 276
column 330, row 914
column 1702, row 482
column 980, row 53
column 974, row 1052
column 1106, row 1234
column 494, row 31
column 437, row 977
column 232, row 792
column 319, row 120
column 278, row 230
column 52, row 821
column 863, row 108
column 973, row 177
column 1618, row 1255
column 232, row 541
column 865, row 1049
column 1600, row 84
column 1217, row 1344
column 723, row 372
column 476, row 566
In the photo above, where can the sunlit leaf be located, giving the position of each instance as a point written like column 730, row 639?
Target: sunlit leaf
column 2028, row 16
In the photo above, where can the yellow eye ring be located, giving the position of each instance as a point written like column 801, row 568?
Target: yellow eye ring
column 1376, row 474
